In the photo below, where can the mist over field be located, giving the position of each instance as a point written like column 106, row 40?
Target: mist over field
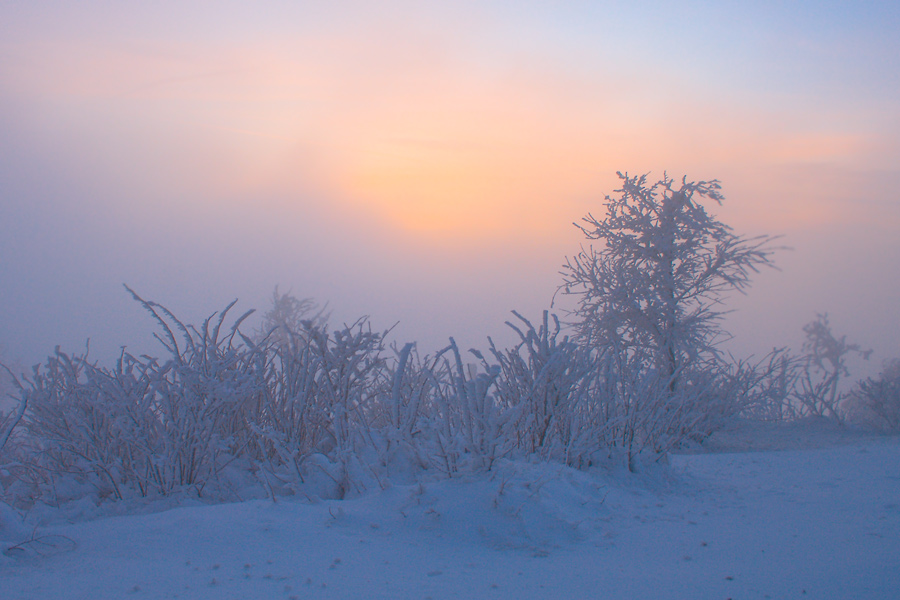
column 424, row 165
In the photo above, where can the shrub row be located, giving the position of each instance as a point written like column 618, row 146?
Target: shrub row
column 334, row 411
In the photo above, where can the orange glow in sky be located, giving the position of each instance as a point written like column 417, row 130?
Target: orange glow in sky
column 435, row 146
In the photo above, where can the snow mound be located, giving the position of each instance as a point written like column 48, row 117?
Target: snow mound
column 518, row 506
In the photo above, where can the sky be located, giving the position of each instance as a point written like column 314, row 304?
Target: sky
column 423, row 163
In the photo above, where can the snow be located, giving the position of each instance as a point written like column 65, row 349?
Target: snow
column 795, row 511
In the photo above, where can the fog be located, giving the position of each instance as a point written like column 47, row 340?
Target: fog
column 424, row 166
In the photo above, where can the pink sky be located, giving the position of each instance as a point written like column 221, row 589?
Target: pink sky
column 424, row 165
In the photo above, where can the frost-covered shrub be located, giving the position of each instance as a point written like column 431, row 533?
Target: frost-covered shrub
column 876, row 401
column 450, row 415
column 541, row 381
column 74, row 430
column 145, row 427
column 331, row 412
column 291, row 421
column 288, row 317
column 197, row 405
column 408, row 416
column 11, row 442
column 460, row 424
column 819, row 392
column 787, row 386
column 633, row 412
column 351, row 367
column 771, row 385
column 9, row 421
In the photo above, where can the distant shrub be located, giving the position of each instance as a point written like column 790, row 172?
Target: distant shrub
column 826, row 357
column 876, row 401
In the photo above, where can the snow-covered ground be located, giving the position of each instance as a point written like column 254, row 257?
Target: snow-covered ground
column 764, row 512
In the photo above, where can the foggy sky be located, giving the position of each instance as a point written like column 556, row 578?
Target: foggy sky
column 424, row 164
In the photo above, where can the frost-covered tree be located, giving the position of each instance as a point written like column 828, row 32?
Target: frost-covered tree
column 287, row 315
column 653, row 288
column 825, row 367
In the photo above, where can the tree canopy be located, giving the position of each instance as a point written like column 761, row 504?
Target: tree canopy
column 653, row 288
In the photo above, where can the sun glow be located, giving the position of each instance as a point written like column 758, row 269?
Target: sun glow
column 436, row 147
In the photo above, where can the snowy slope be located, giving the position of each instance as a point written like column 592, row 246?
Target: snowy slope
column 822, row 522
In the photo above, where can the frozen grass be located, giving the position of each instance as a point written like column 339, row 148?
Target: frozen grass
column 783, row 522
